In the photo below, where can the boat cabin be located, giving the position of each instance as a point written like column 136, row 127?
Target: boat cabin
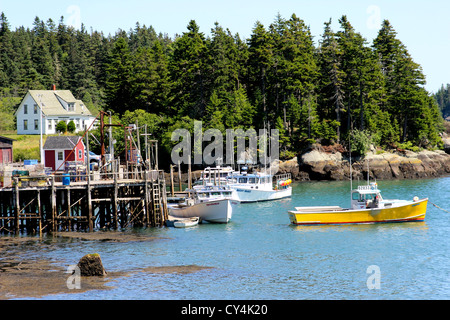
column 218, row 175
column 250, row 179
column 209, row 193
column 366, row 197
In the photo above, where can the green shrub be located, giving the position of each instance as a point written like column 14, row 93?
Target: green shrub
column 25, row 154
column 408, row 146
column 61, row 127
column 287, row 155
column 71, row 126
column 361, row 141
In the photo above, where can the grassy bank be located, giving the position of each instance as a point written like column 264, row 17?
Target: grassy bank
column 25, row 146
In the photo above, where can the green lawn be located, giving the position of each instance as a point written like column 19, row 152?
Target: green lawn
column 25, row 147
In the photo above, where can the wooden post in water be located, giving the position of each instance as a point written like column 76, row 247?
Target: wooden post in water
column 146, row 196
column 172, row 189
column 16, row 189
column 39, row 212
column 89, row 200
column 69, row 222
column 53, row 204
column 116, row 222
column 189, row 175
column 179, row 176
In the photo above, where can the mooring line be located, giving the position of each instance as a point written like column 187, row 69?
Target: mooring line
column 439, row 207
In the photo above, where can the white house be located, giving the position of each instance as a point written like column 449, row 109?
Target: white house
column 56, row 105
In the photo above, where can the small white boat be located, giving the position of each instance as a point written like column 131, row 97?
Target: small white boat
column 212, row 204
column 186, row 223
column 182, row 222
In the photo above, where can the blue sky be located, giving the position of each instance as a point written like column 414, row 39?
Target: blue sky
column 423, row 26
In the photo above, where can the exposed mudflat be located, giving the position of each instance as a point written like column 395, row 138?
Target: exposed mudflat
column 111, row 236
column 25, row 274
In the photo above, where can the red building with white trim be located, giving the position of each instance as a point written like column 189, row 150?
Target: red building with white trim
column 58, row 149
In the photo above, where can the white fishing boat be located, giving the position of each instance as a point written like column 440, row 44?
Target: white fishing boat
column 260, row 186
column 212, row 204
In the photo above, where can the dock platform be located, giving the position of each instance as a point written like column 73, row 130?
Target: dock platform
column 72, row 203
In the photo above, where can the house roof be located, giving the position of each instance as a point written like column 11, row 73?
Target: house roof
column 6, row 138
column 61, row 142
column 6, row 142
column 52, row 102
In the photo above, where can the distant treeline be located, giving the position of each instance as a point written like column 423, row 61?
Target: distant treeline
column 443, row 99
column 278, row 77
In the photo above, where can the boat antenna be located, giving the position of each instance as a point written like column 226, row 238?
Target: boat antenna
column 270, row 148
column 368, row 176
column 265, row 148
column 350, row 157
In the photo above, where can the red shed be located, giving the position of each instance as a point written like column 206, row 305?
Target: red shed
column 6, row 150
column 59, row 149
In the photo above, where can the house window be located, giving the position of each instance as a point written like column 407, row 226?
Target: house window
column 80, row 154
column 25, row 124
column 50, row 124
column 35, row 109
column 71, row 107
column 36, row 124
column 25, row 109
column 60, row 156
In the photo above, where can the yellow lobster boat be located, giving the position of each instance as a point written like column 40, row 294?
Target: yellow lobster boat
column 367, row 206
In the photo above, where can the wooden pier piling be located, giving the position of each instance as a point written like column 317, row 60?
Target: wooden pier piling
column 112, row 203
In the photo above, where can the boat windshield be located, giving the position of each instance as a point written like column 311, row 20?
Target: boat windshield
column 363, row 197
column 242, row 180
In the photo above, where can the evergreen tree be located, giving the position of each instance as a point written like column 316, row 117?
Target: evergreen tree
column 118, row 69
column 261, row 49
column 298, row 68
column 240, row 112
column 406, row 100
column 442, row 98
column 8, row 69
column 150, row 79
column 187, row 70
column 331, row 79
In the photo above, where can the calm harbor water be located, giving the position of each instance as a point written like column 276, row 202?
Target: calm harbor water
column 259, row 255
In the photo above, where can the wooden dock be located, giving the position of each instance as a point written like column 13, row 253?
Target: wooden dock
column 54, row 203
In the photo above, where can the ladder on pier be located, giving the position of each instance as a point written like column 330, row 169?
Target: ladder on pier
column 156, row 204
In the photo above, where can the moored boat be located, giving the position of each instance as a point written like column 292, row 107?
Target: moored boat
column 182, row 222
column 367, row 206
column 212, row 204
column 260, row 186
column 215, row 175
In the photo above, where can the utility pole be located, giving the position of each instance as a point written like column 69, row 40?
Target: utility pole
column 41, row 144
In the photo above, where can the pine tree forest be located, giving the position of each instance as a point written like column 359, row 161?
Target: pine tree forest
column 312, row 90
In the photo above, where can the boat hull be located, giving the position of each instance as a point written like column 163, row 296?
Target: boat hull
column 186, row 223
column 217, row 211
column 255, row 195
column 411, row 211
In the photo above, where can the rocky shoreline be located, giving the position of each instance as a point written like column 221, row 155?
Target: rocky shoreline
column 320, row 163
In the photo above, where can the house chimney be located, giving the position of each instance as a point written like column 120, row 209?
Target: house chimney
column 53, row 87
